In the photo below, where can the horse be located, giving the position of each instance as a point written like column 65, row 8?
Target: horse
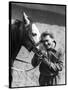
column 22, row 33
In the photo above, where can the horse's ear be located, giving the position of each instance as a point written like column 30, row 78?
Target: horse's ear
column 26, row 19
column 25, row 14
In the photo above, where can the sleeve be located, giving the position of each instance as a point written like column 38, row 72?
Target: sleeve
column 58, row 64
column 35, row 60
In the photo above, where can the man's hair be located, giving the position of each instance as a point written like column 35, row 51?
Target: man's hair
column 44, row 34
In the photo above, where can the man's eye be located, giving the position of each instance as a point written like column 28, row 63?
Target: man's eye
column 46, row 40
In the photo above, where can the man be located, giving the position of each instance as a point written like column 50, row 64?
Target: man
column 50, row 63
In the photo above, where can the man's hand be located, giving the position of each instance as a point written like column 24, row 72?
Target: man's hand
column 53, row 66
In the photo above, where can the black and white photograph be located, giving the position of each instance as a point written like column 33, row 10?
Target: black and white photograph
column 37, row 44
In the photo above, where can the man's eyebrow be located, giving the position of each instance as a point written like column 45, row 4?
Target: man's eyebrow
column 46, row 40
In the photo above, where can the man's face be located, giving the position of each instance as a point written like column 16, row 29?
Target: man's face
column 48, row 41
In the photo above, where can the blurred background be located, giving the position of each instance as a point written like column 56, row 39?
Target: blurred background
column 51, row 18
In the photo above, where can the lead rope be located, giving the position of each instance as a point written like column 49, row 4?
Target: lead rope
column 22, row 70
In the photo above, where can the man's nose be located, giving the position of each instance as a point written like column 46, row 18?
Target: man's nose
column 49, row 44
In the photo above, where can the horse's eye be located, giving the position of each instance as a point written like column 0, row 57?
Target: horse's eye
column 34, row 34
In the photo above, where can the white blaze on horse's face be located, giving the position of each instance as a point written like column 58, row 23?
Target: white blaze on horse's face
column 36, row 32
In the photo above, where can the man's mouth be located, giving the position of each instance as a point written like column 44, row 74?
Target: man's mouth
column 48, row 46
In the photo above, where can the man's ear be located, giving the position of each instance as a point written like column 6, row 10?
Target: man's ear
column 54, row 43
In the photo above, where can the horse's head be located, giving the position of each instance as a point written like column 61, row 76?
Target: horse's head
column 24, row 32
